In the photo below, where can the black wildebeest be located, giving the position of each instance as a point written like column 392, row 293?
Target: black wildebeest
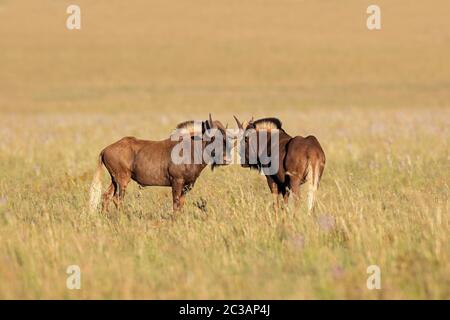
column 150, row 163
column 300, row 159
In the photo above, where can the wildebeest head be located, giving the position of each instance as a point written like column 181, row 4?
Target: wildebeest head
column 213, row 137
column 256, row 138
column 218, row 136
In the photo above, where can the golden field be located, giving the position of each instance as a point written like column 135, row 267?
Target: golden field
column 378, row 101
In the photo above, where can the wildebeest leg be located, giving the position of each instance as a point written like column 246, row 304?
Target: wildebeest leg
column 107, row 196
column 122, row 183
column 285, row 194
column 295, row 183
column 177, row 194
column 275, row 195
column 186, row 189
column 182, row 198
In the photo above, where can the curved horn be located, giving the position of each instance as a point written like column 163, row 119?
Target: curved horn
column 238, row 123
column 210, row 121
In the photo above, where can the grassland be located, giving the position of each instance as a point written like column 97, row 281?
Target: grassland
column 379, row 102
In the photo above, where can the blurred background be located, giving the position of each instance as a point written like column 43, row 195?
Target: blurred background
column 239, row 55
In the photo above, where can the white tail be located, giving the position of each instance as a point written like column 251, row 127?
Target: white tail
column 95, row 192
column 313, row 183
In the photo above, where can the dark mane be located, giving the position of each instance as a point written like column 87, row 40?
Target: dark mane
column 267, row 123
column 185, row 125
column 191, row 126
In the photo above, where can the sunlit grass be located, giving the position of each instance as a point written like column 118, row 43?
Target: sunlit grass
column 383, row 201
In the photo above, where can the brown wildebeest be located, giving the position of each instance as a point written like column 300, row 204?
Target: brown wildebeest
column 150, row 163
column 300, row 160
